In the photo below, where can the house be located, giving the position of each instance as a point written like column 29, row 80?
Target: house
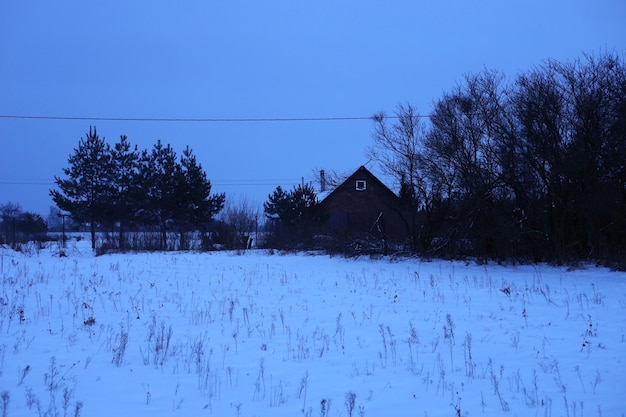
column 362, row 206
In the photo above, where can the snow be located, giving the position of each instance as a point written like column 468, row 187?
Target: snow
column 262, row 334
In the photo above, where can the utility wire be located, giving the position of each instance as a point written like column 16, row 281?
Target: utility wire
column 201, row 120
column 223, row 183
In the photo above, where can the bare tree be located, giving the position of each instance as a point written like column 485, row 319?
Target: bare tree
column 238, row 224
column 465, row 156
column 572, row 125
column 531, row 170
column 8, row 215
column 398, row 148
column 328, row 179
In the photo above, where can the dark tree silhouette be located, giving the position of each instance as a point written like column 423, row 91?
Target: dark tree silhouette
column 292, row 215
column 531, row 170
column 398, row 150
column 126, row 193
column 160, row 176
column 84, row 193
column 196, row 206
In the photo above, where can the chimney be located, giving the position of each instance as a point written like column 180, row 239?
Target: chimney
column 322, row 181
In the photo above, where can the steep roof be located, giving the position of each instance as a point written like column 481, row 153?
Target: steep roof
column 359, row 192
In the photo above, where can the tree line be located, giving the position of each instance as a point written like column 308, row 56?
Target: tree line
column 123, row 186
column 18, row 226
column 530, row 169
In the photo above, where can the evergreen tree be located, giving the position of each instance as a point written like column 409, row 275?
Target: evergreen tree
column 84, row 193
column 127, row 196
column 196, row 205
column 160, row 178
column 32, row 226
column 303, row 201
column 291, row 208
column 294, row 214
column 277, row 205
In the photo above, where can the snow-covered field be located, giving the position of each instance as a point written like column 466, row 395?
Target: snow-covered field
column 256, row 334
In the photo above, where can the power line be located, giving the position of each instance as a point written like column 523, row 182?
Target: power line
column 198, row 120
column 25, row 182
column 218, row 183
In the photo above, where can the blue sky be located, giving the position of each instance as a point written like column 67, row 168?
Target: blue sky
column 252, row 59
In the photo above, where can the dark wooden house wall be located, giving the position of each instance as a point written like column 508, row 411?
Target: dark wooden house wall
column 353, row 211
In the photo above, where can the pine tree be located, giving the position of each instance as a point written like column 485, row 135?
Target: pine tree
column 292, row 208
column 86, row 190
column 277, row 204
column 127, row 196
column 32, row 226
column 160, row 173
column 302, row 203
column 196, row 206
column 294, row 214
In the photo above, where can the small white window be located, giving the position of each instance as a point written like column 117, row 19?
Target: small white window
column 361, row 185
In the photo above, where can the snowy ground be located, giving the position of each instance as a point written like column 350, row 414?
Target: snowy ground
column 222, row 334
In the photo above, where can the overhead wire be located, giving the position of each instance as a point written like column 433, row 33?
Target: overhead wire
column 218, row 183
column 203, row 119
column 12, row 181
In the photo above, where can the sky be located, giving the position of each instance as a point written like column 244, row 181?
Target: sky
column 256, row 60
